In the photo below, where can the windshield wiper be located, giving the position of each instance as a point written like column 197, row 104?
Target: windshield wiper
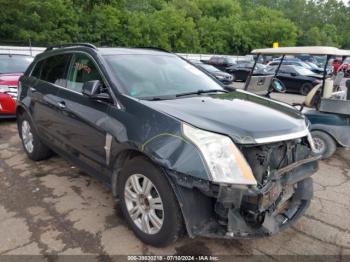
column 158, row 98
column 198, row 92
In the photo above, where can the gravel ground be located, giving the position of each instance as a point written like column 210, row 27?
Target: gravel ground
column 52, row 208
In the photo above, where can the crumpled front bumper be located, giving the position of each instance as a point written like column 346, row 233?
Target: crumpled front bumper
column 217, row 210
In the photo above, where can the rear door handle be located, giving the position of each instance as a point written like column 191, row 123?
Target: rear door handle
column 62, row 105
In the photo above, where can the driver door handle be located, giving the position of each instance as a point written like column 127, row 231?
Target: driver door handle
column 62, row 105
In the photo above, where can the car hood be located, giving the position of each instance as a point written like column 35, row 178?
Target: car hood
column 10, row 79
column 245, row 117
column 318, row 76
column 219, row 73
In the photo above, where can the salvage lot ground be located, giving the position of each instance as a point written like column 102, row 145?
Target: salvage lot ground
column 51, row 207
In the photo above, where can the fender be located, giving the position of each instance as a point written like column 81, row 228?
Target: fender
column 341, row 134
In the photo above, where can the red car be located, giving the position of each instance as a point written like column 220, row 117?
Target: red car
column 12, row 66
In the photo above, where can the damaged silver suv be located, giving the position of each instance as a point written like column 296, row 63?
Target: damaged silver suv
column 181, row 153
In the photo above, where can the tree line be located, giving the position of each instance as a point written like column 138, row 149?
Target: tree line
column 196, row 26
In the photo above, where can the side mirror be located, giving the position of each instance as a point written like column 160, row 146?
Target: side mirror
column 293, row 74
column 92, row 89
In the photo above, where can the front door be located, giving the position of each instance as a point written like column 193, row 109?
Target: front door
column 83, row 118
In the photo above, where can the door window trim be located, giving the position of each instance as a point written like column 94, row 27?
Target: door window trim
column 104, row 79
column 70, row 65
column 44, row 61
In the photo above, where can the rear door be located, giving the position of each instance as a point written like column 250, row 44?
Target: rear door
column 47, row 77
column 83, row 118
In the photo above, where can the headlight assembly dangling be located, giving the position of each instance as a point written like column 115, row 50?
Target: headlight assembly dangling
column 225, row 162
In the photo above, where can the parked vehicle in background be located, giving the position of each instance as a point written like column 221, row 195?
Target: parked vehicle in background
column 297, row 79
column 263, row 59
column 316, row 62
column 12, row 67
column 308, row 59
column 222, row 76
column 179, row 151
column 327, row 111
column 321, row 60
column 297, row 62
column 241, row 70
column 220, row 62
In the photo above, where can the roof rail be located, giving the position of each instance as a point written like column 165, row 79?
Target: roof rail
column 69, row 45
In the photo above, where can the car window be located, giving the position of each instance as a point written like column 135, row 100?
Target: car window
column 14, row 63
column 37, row 69
column 158, row 75
column 54, row 69
column 82, row 69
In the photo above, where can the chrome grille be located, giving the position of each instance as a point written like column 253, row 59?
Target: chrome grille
column 13, row 91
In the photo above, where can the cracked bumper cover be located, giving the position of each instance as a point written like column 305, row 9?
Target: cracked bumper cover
column 221, row 210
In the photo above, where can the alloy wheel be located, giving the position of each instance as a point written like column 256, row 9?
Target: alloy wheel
column 320, row 145
column 27, row 136
column 144, row 204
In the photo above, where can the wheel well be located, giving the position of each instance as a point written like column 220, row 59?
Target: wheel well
column 121, row 159
column 326, row 132
column 20, row 111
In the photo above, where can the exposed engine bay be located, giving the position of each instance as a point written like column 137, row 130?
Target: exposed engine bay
column 282, row 195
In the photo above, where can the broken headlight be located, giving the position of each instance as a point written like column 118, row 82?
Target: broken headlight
column 223, row 159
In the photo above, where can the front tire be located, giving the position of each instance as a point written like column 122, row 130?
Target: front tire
column 305, row 89
column 148, row 203
column 32, row 145
column 324, row 144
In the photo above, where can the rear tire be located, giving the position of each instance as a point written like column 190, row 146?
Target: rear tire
column 32, row 145
column 324, row 143
column 154, row 214
column 305, row 88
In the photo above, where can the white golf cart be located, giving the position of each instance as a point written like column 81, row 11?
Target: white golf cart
column 327, row 110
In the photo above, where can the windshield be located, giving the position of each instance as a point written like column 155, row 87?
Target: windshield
column 312, row 65
column 144, row 76
column 303, row 71
column 209, row 68
column 303, row 64
column 14, row 63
